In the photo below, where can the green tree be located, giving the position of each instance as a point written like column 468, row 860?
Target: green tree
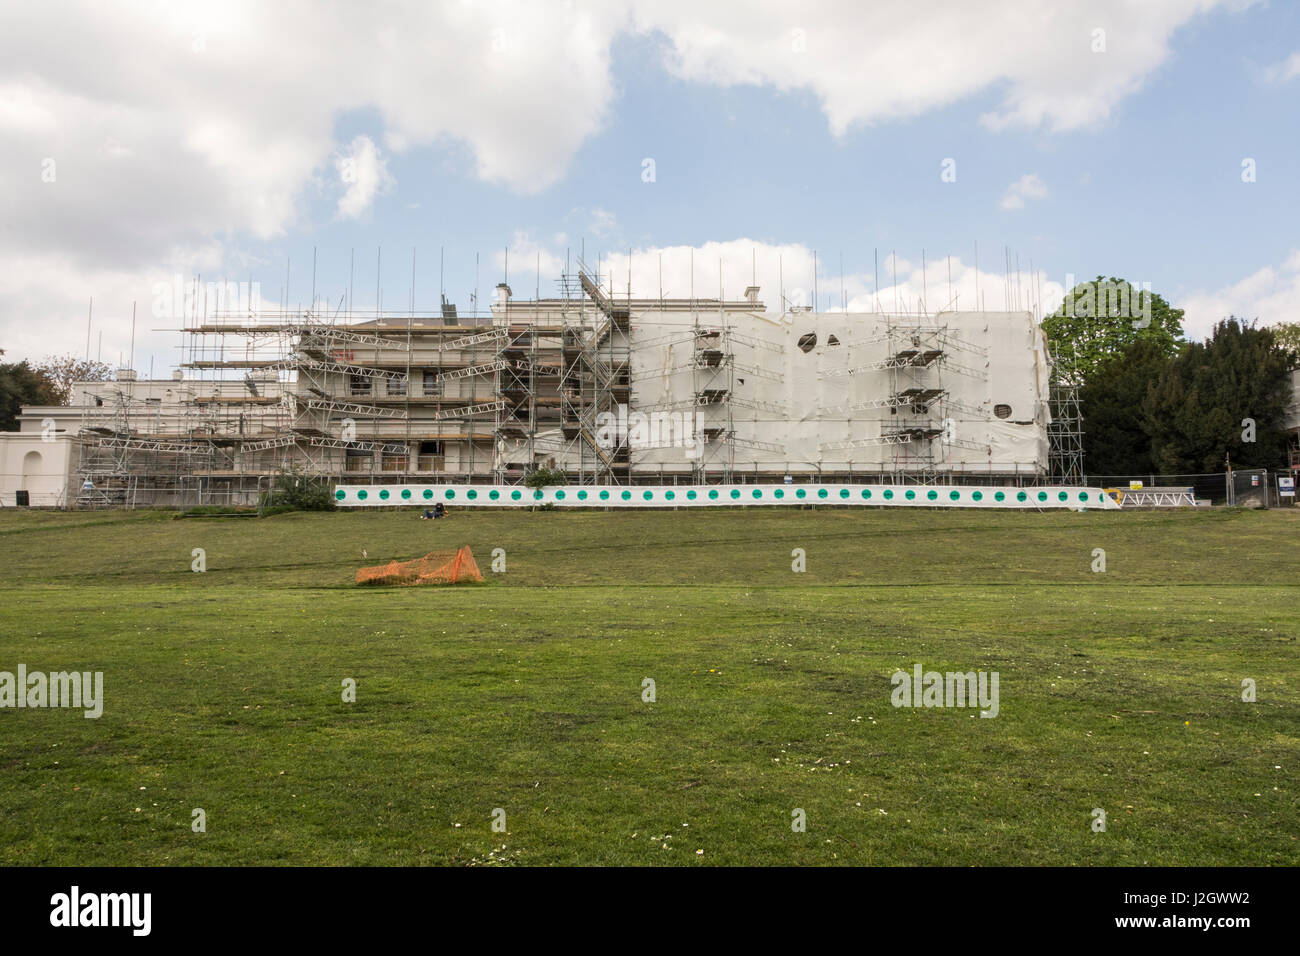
column 295, row 491
column 63, row 371
column 20, row 385
column 1287, row 335
column 545, row 477
column 1115, row 437
column 1217, row 396
column 1098, row 320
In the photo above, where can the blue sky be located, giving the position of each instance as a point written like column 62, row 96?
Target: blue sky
column 1132, row 155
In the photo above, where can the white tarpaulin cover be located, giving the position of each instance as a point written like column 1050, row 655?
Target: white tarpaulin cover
column 809, row 391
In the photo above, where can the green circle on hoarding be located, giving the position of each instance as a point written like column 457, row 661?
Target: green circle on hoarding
column 340, row 494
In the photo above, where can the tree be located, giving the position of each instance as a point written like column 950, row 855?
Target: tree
column 62, row 371
column 545, row 477
column 1115, row 438
column 20, row 385
column 1226, row 396
column 1099, row 320
column 1287, row 335
column 294, row 491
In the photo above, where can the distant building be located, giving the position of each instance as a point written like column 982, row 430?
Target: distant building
column 604, row 389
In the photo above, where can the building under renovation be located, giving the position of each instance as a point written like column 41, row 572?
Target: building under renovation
column 608, row 390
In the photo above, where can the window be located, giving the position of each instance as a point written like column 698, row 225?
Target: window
column 432, row 383
column 807, row 342
column 430, row 457
column 358, row 385
column 397, row 386
column 1002, row 411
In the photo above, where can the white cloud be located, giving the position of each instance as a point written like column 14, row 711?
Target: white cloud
column 1027, row 187
column 603, row 223
column 784, row 274
column 364, row 174
column 226, row 110
column 43, row 285
column 867, row 62
column 194, row 125
column 1270, row 294
column 1288, row 69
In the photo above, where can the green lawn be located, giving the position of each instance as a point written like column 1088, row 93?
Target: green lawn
column 1118, row 690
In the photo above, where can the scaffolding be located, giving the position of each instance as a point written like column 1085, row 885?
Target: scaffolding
column 922, row 431
column 594, row 377
column 1065, row 430
column 489, row 397
column 142, row 450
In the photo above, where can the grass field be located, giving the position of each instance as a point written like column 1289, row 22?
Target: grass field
column 1118, row 690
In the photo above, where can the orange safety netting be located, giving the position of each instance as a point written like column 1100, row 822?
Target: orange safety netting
column 436, row 567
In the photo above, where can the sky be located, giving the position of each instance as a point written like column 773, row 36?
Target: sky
column 862, row 155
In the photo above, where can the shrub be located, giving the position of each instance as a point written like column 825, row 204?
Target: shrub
column 295, row 492
column 546, row 476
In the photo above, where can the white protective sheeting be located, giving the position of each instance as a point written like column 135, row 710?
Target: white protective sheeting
column 825, row 406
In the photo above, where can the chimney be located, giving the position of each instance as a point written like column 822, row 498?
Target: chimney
column 126, row 375
column 751, row 294
column 503, row 293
